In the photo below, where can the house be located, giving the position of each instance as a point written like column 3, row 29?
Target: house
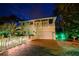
column 42, row 28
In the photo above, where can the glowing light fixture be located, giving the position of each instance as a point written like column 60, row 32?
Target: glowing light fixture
column 61, row 36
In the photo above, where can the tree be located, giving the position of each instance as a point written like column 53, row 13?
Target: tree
column 70, row 18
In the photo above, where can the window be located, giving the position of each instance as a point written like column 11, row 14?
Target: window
column 50, row 21
column 43, row 22
column 31, row 23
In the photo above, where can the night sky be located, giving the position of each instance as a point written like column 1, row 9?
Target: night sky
column 28, row 11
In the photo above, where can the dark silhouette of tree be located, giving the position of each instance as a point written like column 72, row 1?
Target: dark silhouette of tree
column 70, row 18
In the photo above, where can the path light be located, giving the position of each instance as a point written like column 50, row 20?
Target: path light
column 61, row 36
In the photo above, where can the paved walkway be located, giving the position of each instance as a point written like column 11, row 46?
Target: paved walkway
column 42, row 47
column 36, row 47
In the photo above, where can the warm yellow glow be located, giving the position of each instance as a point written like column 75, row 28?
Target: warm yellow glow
column 42, row 29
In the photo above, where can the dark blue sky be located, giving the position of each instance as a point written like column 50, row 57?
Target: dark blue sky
column 28, row 11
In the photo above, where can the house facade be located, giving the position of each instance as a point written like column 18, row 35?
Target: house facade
column 42, row 28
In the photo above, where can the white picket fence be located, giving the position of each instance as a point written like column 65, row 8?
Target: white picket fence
column 10, row 42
